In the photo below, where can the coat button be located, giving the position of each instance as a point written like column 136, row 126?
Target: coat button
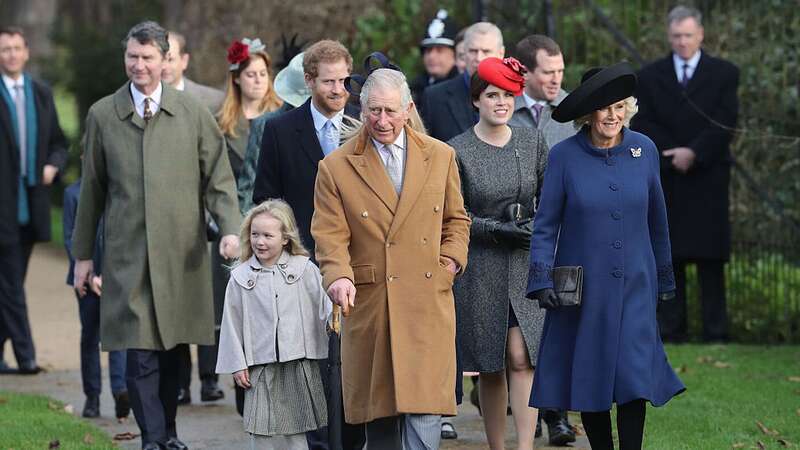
column 428, row 274
column 364, row 214
column 290, row 277
column 616, row 215
column 611, row 161
column 436, row 208
column 617, row 244
column 613, row 186
column 250, row 283
column 424, row 240
column 388, row 244
column 617, row 273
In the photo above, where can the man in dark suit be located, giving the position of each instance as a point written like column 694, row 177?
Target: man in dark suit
column 33, row 151
column 291, row 148
column 688, row 106
column 448, row 109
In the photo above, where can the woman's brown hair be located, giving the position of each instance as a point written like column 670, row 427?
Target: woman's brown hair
column 231, row 111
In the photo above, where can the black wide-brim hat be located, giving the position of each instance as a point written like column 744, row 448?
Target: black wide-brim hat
column 599, row 88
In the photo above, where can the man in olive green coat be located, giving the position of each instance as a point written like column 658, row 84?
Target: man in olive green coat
column 154, row 158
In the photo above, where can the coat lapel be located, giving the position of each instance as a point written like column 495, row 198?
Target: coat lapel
column 701, row 72
column 368, row 165
column 123, row 104
column 8, row 128
column 415, row 174
column 307, row 135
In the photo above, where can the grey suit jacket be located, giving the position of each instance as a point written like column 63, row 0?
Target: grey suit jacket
column 207, row 95
column 554, row 132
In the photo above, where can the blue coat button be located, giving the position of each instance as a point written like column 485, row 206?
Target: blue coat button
column 616, row 215
column 611, row 161
column 613, row 186
column 617, row 244
column 617, row 273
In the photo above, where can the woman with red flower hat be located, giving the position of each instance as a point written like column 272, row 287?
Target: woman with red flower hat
column 498, row 329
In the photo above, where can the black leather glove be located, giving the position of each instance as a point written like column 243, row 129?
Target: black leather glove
column 547, row 298
column 515, row 234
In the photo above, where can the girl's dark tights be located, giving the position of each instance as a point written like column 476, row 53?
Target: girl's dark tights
column 630, row 426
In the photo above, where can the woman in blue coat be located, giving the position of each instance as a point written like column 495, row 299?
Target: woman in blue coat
column 602, row 208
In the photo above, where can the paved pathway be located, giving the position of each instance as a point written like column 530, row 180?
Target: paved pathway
column 53, row 313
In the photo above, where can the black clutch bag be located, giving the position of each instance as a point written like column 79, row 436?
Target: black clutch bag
column 568, row 284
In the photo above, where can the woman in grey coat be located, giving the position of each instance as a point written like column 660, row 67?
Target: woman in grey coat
column 497, row 328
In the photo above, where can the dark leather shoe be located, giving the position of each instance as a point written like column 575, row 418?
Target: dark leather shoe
column 210, row 391
column 184, row 396
column 122, row 405
column 174, row 443
column 28, row 368
column 152, row 446
column 560, row 433
column 91, row 408
column 448, row 431
column 5, row 369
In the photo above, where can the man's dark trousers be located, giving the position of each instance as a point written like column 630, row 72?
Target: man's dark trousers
column 672, row 314
column 14, row 322
column 152, row 378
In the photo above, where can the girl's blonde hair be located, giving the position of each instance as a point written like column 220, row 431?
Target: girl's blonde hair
column 231, row 111
column 281, row 211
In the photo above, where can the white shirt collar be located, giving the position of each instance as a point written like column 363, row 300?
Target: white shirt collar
column 320, row 119
column 400, row 142
column 11, row 83
column 692, row 62
column 181, row 86
column 138, row 99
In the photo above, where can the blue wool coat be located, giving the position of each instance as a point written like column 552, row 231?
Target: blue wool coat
column 603, row 209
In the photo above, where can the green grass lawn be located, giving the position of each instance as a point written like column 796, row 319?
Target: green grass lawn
column 36, row 422
column 730, row 389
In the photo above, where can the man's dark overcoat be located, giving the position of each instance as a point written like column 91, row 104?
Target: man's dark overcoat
column 448, row 110
column 697, row 117
column 287, row 165
column 51, row 148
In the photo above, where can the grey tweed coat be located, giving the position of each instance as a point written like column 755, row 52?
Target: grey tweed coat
column 497, row 275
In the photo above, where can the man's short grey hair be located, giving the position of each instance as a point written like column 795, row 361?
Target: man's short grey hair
column 483, row 28
column 385, row 79
column 148, row 32
column 681, row 13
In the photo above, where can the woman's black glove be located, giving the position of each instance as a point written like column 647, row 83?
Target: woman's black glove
column 515, row 234
column 547, row 298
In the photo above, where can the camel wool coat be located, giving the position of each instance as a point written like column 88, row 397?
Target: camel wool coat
column 152, row 182
column 398, row 343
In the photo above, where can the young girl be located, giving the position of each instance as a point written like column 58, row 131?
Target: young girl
column 273, row 328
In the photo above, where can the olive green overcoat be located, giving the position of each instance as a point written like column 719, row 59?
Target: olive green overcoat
column 152, row 182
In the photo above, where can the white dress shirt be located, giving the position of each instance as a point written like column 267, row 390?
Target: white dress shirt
column 678, row 62
column 398, row 148
column 138, row 100
column 530, row 101
column 320, row 120
column 12, row 83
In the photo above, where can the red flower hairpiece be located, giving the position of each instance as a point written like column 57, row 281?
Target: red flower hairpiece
column 515, row 65
column 238, row 52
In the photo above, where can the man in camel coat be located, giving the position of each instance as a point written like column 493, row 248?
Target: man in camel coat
column 391, row 233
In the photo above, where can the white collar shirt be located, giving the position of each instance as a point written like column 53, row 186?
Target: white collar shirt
column 398, row 148
column 11, row 84
column 530, row 101
column 692, row 62
column 320, row 120
column 138, row 100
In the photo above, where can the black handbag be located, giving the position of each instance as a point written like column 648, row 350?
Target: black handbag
column 568, row 284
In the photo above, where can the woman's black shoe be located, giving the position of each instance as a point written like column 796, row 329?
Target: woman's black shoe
column 91, row 408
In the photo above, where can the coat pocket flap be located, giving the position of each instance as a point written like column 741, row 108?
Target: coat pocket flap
column 363, row 274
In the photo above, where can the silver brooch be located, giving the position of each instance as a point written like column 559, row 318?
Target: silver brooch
column 636, row 152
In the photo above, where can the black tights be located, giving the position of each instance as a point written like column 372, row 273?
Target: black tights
column 630, row 426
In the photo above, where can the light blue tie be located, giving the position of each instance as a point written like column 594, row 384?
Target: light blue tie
column 329, row 140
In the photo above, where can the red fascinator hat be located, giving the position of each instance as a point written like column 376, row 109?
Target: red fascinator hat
column 505, row 73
